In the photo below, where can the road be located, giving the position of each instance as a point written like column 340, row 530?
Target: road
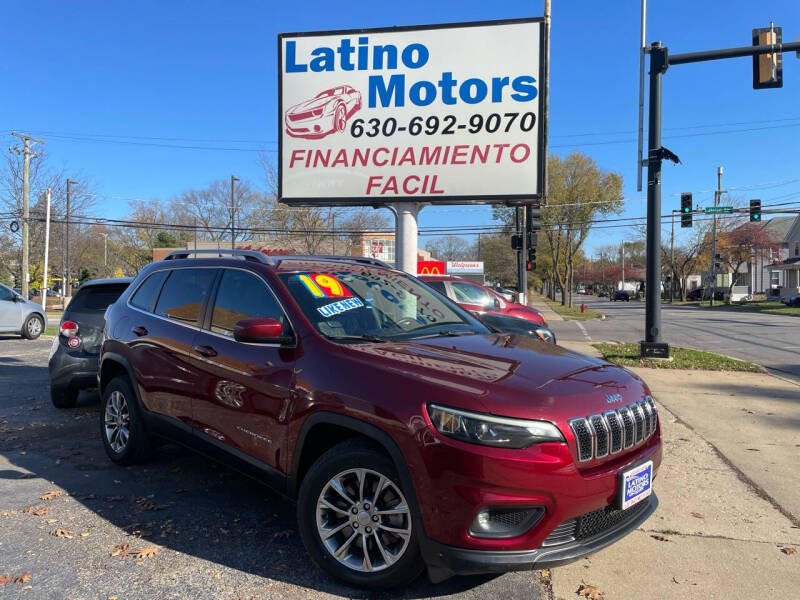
column 772, row 341
column 217, row 534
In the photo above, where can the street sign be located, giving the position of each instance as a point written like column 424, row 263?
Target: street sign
column 718, row 210
column 442, row 114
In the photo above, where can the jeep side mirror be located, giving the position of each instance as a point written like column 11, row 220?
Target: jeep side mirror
column 261, row 330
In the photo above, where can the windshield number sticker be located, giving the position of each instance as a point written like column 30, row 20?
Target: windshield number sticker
column 336, row 308
column 321, row 285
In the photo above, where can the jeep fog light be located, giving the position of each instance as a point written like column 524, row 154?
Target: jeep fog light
column 504, row 522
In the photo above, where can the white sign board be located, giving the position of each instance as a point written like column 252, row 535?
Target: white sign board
column 442, row 114
column 464, row 267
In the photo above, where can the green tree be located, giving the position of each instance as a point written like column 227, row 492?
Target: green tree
column 579, row 192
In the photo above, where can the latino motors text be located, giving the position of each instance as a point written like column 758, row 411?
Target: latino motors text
column 393, row 90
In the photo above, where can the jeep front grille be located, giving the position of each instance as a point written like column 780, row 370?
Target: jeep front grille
column 599, row 435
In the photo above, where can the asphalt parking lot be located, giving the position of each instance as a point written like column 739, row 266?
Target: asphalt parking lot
column 206, row 531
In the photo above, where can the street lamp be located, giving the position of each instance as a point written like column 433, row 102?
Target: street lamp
column 67, row 279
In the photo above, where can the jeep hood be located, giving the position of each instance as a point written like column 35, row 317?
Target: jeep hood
column 511, row 375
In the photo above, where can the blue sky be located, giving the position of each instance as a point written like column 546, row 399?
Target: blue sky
column 206, row 70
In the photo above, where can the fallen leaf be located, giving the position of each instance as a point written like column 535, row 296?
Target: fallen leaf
column 52, row 494
column 697, row 515
column 283, row 534
column 789, row 550
column 148, row 552
column 4, row 579
column 38, row 511
column 590, row 592
column 58, row 532
column 51, row 521
column 660, row 538
column 122, row 549
column 85, row 534
column 545, row 572
column 22, row 578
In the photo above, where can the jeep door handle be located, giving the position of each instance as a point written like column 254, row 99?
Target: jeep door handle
column 140, row 330
column 206, row 351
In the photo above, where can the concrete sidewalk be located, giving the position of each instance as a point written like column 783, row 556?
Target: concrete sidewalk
column 537, row 302
column 728, row 492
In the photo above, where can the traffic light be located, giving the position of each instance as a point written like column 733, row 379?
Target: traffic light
column 686, row 210
column 755, row 210
column 533, row 239
column 768, row 67
column 531, row 264
column 516, row 242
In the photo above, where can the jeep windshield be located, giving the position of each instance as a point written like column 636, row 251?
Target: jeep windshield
column 359, row 304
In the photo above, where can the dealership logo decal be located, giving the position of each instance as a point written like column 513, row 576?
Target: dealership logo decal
column 613, row 398
column 324, row 114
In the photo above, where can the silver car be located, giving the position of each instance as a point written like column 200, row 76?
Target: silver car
column 21, row 316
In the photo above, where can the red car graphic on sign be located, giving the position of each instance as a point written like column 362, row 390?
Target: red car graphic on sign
column 325, row 113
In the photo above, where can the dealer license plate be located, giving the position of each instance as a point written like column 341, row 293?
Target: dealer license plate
column 635, row 484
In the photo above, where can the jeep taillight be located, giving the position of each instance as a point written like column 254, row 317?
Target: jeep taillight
column 69, row 329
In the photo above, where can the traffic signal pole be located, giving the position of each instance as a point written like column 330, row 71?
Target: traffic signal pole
column 660, row 60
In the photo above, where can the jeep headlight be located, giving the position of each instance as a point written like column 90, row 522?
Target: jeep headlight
column 490, row 430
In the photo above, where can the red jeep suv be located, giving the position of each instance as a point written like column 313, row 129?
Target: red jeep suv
column 409, row 434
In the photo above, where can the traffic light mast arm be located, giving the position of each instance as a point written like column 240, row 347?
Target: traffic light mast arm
column 692, row 57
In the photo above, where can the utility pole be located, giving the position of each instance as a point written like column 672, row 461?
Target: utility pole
column 233, row 214
column 67, row 277
column 26, row 168
column 717, row 197
column 623, row 266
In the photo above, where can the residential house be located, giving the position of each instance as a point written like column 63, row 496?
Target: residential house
column 770, row 271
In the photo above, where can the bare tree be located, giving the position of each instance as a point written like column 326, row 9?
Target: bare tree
column 451, row 247
column 42, row 176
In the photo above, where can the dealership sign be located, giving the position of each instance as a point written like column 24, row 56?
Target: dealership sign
column 444, row 114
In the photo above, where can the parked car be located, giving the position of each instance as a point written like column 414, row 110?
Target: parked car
column 370, row 398
column 478, row 298
column 325, row 113
column 695, row 294
column 621, row 295
column 791, row 300
column 76, row 349
column 507, row 294
column 504, row 324
column 18, row 315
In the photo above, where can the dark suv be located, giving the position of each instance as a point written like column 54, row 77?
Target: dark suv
column 76, row 349
column 409, row 434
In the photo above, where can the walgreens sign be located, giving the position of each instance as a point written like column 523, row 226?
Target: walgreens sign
column 443, row 114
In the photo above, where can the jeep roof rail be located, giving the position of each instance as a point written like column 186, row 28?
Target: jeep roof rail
column 366, row 260
column 252, row 255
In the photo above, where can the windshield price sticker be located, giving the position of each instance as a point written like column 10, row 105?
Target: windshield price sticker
column 335, row 308
column 322, row 285
column 441, row 114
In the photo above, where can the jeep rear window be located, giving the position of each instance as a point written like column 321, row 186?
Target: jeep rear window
column 184, row 293
column 95, row 298
column 375, row 302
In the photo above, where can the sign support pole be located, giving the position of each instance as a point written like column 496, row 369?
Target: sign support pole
column 407, row 236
